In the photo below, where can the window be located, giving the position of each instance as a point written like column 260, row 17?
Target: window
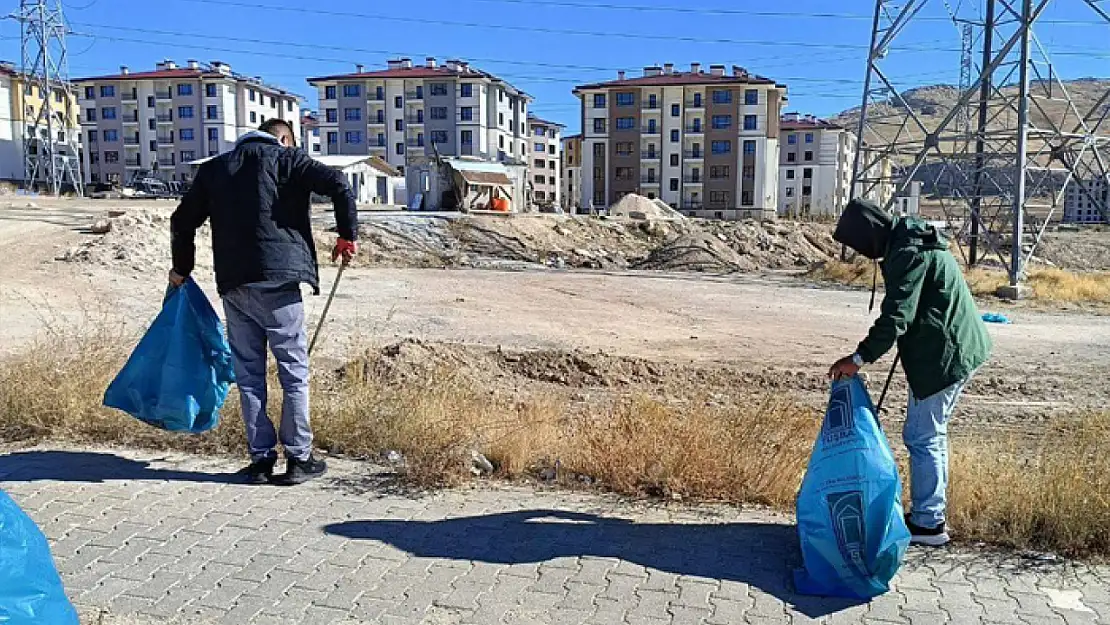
column 721, row 147
column 718, row 198
column 599, row 125
column 501, row 142
column 676, row 110
column 718, row 172
column 674, row 136
column 251, row 94
column 331, row 116
column 697, row 100
column 380, row 117
column 791, row 157
column 599, row 100
column 437, row 88
column 747, row 198
column 438, row 112
column 792, row 139
column 152, row 124
column 186, row 134
column 807, row 173
column 626, row 99
column 674, row 160
column 92, row 136
column 333, row 138
column 185, row 112
column 653, row 101
column 111, row 157
column 419, row 92
column 184, row 89
column 551, row 150
column 626, row 123
column 551, row 165
column 751, row 96
column 398, row 102
column 466, row 90
column 749, row 147
column 399, row 125
column 674, row 184
column 538, row 163
column 809, row 156
column 400, row 148
column 254, row 117
column 90, row 93
column 90, row 115
column 539, row 132
column 789, row 191
column 500, row 119
column 541, row 180
column 329, row 93
column 623, row 148
column 751, row 122
column 150, row 101
column 790, row 174
column 807, row 191
column 111, row 136
column 379, row 93
column 624, row 173
column 107, row 91
column 749, row 171
column 352, row 137
column 188, row 155
column 351, row 91
column 722, row 96
column 466, row 114
column 352, row 114
column 722, row 122
column 539, row 147
column 599, row 150
column 211, row 90
column 211, row 112
column 213, row 134
column 108, row 112
column 809, row 137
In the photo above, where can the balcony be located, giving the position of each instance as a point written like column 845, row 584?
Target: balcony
column 374, row 98
column 695, row 130
column 165, row 140
column 131, row 141
column 688, row 179
column 650, row 180
column 693, row 154
column 413, row 97
column 693, row 205
column 132, row 162
column 131, row 120
column 377, row 121
column 651, row 156
column 695, row 105
column 374, row 143
column 650, row 130
column 166, row 162
column 414, row 120
column 651, row 107
column 163, row 95
column 165, row 118
column 415, row 143
column 129, row 96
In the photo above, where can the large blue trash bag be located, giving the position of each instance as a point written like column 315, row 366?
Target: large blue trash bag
column 180, row 373
column 850, row 519
column 30, row 590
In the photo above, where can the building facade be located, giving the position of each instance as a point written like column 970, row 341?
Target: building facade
column 156, row 122
column 1087, row 206
column 815, row 167
column 408, row 114
column 704, row 142
column 20, row 104
column 572, row 174
column 545, row 167
column 310, row 133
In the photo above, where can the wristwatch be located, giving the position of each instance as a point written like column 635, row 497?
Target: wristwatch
column 857, row 360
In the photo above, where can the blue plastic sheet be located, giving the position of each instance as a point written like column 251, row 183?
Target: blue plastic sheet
column 996, row 318
column 850, row 523
column 30, row 590
column 180, row 373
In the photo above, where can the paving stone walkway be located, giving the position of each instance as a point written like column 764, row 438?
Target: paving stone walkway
column 154, row 538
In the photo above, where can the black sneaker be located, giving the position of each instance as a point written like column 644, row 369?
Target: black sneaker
column 301, row 471
column 259, row 471
column 929, row 537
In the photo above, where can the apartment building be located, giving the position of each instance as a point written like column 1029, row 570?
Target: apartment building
column 815, row 166
column 545, row 168
column 156, row 122
column 572, row 174
column 20, row 104
column 310, row 133
column 1087, row 206
column 406, row 114
column 705, row 142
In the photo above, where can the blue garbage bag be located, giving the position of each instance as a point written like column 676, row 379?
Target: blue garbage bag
column 850, row 522
column 180, row 373
column 30, row 590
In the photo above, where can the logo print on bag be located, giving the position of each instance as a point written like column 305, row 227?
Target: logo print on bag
column 846, row 511
column 839, row 422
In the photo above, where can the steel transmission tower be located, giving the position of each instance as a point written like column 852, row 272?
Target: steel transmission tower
column 1000, row 176
column 51, row 138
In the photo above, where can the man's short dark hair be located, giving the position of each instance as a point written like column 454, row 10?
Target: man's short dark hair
column 278, row 127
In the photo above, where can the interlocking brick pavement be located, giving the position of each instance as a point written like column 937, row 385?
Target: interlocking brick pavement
column 154, row 538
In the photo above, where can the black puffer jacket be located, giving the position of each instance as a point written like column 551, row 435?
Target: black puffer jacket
column 258, row 198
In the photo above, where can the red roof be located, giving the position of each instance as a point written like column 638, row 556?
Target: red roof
column 680, row 78
column 532, row 119
column 181, row 72
column 404, row 72
column 803, row 123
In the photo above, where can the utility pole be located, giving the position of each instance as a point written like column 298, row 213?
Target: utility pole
column 51, row 134
column 980, row 133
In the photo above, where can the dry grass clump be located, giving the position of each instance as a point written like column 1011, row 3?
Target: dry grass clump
column 1052, row 285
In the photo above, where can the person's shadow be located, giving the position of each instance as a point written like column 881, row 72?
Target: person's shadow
column 760, row 555
column 90, row 467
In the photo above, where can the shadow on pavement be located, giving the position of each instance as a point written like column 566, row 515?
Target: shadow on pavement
column 760, row 555
column 91, row 467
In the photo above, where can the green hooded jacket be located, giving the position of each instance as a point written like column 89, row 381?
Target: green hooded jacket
column 928, row 310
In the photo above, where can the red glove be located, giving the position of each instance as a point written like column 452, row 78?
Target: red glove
column 346, row 249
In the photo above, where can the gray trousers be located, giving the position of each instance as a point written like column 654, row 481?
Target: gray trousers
column 257, row 317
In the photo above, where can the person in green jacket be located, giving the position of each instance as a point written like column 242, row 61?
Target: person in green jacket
column 930, row 313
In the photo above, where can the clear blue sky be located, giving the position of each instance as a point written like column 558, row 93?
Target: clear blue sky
column 823, row 74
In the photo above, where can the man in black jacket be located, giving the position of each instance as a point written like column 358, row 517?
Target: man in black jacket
column 258, row 197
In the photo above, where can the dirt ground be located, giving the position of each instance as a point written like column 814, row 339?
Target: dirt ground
column 613, row 330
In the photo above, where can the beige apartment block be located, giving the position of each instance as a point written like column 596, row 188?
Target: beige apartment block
column 815, row 166
column 157, row 122
column 572, row 174
column 705, row 142
column 544, row 166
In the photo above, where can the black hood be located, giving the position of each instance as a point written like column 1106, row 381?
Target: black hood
column 865, row 228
